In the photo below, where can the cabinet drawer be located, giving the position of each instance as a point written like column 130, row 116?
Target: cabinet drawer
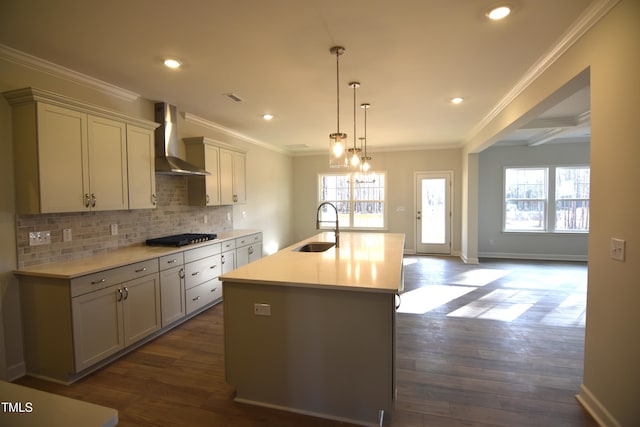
column 228, row 245
column 202, row 252
column 203, row 294
column 201, row 271
column 248, row 240
column 170, row 261
column 102, row 279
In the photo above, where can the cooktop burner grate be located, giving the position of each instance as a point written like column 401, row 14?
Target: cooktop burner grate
column 181, row 239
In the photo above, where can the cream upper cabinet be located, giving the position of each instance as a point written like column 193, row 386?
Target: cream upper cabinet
column 58, row 179
column 203, row 190
column 73, row 157
column 232, row 177
column 141, row 168
column 227, row 166
column 108, row 184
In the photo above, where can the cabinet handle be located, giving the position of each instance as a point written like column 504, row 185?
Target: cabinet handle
column 172, row 261
column 235, row 197
column 195, row 273
column 87, row 200
column 95, row 282
column 140, row 270
column 182, row 273
column 154, row 199
column 119, row 295
column 214, row 289
column 126, row 293
column 213, row 266
column 207, row 198
column 250, row 250
column 93, row 200
column 196, row 298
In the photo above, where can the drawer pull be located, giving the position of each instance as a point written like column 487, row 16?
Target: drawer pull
column 213, row 266
column 195, row 273
column 140, row 270
column 214, row 289
column 196, row 298
column 95, row 282
column 171, row 261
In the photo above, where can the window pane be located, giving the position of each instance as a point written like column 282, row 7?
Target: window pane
column 368, row 214
column 525, row 215
column 572, row 215
column 526, row 183
column 572, row 183
column 328, row 215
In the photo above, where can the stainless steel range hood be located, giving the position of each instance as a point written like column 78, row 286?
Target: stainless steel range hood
column 166, row 137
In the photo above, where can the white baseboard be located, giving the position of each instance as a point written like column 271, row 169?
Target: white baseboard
column 537, row 257
column 595, row 408
column 16, row 371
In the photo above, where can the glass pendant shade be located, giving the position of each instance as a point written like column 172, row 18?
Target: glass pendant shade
column 337, row 140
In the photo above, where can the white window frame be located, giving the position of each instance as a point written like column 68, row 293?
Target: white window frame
column 351, row 202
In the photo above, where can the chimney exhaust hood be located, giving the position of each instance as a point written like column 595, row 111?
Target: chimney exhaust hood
column 166, row 144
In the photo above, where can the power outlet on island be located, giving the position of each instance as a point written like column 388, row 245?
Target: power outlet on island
column 262, row 309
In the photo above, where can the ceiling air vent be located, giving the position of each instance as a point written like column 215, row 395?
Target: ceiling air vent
column 233, row 97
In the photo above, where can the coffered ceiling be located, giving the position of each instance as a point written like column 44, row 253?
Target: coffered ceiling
column 410, row 56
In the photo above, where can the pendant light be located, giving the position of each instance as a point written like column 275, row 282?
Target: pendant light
column 365, row 175
column 354, row 152
column 337, row 140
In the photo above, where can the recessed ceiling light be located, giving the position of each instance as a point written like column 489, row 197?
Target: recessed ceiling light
column 457, row 100
column 172, row 63
column 267, row 116
column 499, row 12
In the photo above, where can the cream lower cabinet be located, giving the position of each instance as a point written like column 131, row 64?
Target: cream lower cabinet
column 248, row 249
column 172, row 288
column 110, row 319
column 201, row 270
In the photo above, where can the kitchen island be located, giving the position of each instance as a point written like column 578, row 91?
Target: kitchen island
column 314, row 332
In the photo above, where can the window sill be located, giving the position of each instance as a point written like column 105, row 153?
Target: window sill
column 549, row 233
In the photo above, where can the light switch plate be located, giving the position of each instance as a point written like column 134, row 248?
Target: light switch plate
column 617, row 249
column 114, row 229
column 66, row 235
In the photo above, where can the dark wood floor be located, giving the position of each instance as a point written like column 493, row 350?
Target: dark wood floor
column 499, row 344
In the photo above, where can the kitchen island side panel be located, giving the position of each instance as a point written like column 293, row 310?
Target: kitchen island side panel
column 321, row 351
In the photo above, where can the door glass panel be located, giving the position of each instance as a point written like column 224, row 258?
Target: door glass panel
column 433, row 210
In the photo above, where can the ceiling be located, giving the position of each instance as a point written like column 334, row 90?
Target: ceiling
column 410, row 56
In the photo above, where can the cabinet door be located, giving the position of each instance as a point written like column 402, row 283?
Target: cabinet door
column 242, row 256
column 255, row 252
column 62, row 159
column 141, row 168
column 226, row 177
column 172, row 295
column 239, row 178
column 228, row 261
column 212, row 182
column 107, row 164
column 141, row 307
column 97, row 326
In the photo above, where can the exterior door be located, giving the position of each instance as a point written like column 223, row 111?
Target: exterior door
column 433, row 212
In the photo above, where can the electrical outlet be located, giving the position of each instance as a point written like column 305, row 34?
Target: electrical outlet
column 617, row 249
column 262, row 309
column 114, row 229
column 66, row 235
column 37, row 238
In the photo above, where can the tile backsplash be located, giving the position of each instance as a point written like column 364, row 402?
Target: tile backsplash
column 91, row 231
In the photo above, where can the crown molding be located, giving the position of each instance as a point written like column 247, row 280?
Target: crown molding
column 29, row 61
column 192, row 118
column 584, row 23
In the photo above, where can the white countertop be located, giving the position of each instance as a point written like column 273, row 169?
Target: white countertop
column 364, row 261
column 118, row 258
column 52, row 410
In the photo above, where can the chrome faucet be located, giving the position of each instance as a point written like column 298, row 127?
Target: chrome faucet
column 337, row 229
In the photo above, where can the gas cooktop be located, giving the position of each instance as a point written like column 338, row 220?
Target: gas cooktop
column 181, row 239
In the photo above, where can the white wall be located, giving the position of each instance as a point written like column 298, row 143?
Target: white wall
column 400, row 167
column 492, row 241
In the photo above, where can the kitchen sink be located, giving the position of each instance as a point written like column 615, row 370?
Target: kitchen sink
column 315, row 247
